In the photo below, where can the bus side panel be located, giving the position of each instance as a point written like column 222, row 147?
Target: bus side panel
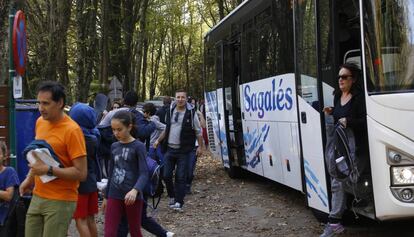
column 313, row 157
column 213, row 124
column 270, row 128
column 222, row 128
column 253, row 146
column 289, row 155
column 272, row 166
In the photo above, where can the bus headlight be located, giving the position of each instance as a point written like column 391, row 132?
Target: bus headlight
column 402, row 175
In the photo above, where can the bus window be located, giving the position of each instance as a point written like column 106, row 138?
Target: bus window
column 249, row 52
column 390, row 57
column 210, row 82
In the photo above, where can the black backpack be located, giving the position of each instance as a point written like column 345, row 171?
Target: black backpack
column 340, row 154
column 105, row 143
column 154, row 188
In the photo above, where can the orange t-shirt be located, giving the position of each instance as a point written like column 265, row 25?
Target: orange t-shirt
column 66, row 139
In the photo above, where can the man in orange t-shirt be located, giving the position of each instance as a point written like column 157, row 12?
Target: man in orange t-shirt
column 54, row 202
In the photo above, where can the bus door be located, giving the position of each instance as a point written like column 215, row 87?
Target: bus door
column 310, row 105
column 210, row 96
column 229, row 105
column 231, row 85
column 221, row 104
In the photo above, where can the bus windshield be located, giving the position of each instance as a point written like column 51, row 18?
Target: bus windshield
column 389, row 45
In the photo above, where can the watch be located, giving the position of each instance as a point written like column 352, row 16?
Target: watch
column 50, row 171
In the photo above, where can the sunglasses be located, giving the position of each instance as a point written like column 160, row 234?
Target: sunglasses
column 344, row 77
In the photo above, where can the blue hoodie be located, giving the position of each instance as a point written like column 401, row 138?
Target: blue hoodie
column 85, row 117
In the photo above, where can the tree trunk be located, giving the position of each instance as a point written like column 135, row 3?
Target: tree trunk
column 128, row 26
column 4, row 68
column 141, row 37
column 144, row 71
column 155, row 65
column 86, row 11
column 114, row 38
column 56, row 67
column 104, row 49
column 220, row 4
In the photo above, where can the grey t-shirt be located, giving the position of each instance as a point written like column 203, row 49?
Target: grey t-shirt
column 175, row 129
column 159, row 128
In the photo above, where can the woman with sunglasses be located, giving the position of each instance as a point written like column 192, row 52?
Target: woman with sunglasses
column 349, row 111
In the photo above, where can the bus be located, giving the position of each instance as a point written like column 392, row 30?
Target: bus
column 270, row 67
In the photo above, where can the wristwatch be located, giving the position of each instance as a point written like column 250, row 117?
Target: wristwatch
column 50, row 171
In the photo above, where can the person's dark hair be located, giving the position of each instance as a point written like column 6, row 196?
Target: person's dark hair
column 356, row 77
column 190, row 99
column 181, row 90
column 150, row 108
column 166, row 100
column 131, row 98
column 55, row 88
column 126, row 118
column 116, row 102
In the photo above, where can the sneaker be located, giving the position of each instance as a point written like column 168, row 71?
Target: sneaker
column 171, row 202
column 170, row 234
column 177, row 207
column 332, row 230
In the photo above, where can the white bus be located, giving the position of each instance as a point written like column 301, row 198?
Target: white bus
column 270, row 68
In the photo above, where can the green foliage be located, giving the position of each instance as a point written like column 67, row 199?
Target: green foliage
column 155, row 48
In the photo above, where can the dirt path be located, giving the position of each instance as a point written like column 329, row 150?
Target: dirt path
column 252, row 206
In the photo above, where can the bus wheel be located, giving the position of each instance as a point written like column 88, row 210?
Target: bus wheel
column 320, row 216
column 234, row 172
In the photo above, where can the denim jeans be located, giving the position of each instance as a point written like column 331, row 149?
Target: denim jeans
column 338, row 201
column 191, row 167
column 175, row 158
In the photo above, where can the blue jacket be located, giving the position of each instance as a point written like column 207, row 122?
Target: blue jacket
column 37, row 144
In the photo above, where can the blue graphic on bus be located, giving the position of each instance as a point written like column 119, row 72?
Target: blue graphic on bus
column 254, row 145
column 212, row 107
column 271, row 100
column 313, row 183
column 224, row 150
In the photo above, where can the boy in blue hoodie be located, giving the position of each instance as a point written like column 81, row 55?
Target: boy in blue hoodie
column 87, row 205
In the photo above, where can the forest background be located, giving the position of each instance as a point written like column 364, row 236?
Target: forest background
column 152, row 46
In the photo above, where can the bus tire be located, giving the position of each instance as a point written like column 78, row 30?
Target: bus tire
column 320, row 216
column 234, row 172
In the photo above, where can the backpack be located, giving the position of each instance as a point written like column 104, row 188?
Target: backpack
column 340, row 154
column 154, row 187
column 107, row 138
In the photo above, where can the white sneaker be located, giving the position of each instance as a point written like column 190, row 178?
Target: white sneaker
column 171, row 234
column 177, row 207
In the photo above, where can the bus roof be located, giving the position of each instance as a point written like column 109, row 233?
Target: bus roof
column 227, row 17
